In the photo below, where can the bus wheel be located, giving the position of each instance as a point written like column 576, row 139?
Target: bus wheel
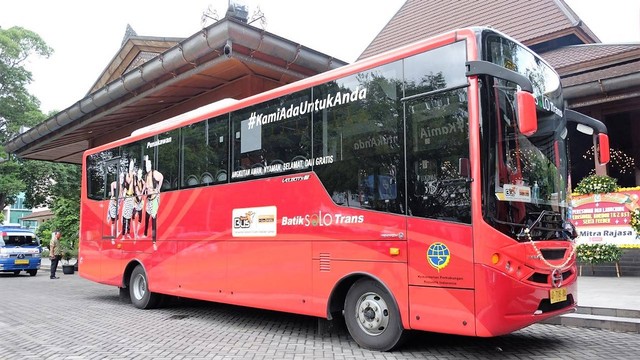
column 141, row 297
column 372, row 317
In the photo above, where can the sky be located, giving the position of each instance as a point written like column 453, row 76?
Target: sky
column 86, row 35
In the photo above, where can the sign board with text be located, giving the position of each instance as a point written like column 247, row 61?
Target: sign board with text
column 604, row 218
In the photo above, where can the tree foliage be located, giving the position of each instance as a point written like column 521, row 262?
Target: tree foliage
column 10, row 183
column 45, row 183
column 17, row 107
column 66, row 221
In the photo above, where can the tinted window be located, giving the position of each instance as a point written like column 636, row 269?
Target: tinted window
column 438, row 156
column 166, row 146
column 272, row 138
column 96, row 174
column 358, row 139
column 131, row 168
column 205, row 149
column 95, row 178
column 436, row 69
column 512, row 56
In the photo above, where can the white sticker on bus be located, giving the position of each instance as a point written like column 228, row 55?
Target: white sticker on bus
column 254, row 222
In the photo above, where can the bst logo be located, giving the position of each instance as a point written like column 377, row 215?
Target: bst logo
column 244, row 221
column 510, row 192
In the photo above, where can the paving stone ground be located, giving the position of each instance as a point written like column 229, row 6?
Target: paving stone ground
column 73, row 318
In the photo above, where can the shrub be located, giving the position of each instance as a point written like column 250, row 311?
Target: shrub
column 635, row 221
column 596, row 184
column 598, row 253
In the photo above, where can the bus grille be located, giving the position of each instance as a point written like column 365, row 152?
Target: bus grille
column 546, row 305
column 541, row 278
column 553, row 254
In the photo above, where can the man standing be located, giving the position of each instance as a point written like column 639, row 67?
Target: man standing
column 55, row 253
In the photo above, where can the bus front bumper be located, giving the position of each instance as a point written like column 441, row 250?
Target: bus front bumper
column 505, row 304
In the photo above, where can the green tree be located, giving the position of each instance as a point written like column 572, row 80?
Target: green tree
column 10, row 183
column 17, row 106
column 66, row 221
column 44, row 183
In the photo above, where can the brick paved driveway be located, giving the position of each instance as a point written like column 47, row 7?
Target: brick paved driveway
column 72, row 318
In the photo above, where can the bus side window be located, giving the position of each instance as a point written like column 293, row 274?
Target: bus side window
column 437, row 129
column 272, row 138
column 360, row 141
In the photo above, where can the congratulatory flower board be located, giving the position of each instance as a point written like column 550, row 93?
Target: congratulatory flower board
column 607, row 217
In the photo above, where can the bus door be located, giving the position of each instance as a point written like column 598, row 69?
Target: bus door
column 439, row 231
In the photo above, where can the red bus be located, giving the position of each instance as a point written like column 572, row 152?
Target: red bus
column 422, row 189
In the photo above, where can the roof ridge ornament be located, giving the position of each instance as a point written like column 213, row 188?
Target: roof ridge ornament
column 128, row 33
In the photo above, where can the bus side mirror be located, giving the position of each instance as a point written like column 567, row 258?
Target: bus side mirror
column 603, row 148
column 590, row 126
column 527, row 118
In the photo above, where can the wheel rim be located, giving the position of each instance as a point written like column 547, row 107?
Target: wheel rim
column 372, row 313
column 139, row 287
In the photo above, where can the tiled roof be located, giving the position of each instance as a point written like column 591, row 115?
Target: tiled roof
column 581, row 64
column 589, row 55
column 602, row 74
column 38, row 215
column 529, row 21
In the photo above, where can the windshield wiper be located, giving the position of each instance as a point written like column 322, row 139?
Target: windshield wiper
column 548, row 225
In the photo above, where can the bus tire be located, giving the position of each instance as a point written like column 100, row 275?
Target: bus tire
column 141, row 297
column 372, row 317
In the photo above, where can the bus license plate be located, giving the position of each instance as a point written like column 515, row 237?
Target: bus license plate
column 22, row 261
column 558, row 295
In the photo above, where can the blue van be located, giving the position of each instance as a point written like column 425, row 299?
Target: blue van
column 19, row 250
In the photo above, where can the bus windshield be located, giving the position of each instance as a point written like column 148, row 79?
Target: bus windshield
column 525, row 178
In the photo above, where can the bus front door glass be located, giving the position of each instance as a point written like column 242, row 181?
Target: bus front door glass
column 437, row 157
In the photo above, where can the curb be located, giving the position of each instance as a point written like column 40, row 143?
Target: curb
column 620, row 320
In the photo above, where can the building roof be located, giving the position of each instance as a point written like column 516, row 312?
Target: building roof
column 151, row 79
column 591, row 72
column 546, row 21
column 134, row 52
column 597, row 73
column 38, row 215
column 577, row 59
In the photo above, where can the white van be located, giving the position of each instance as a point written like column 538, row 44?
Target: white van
column 19, row 250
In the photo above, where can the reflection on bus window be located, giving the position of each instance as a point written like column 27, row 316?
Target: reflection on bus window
column 360, row 141
column 439, row 133
column 272, row 138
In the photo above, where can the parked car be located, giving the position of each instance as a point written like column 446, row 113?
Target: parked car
column 19, row 250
